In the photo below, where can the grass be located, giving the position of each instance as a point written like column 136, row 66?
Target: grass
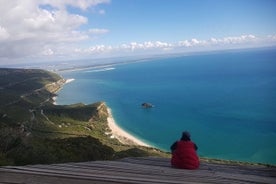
column 34, row 131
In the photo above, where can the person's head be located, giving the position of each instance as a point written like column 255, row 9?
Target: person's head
column 186, row 136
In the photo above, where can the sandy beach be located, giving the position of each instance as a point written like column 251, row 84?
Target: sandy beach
column 122, row 135
column 116, row 132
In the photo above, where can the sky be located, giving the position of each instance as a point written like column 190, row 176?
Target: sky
column 58, row 30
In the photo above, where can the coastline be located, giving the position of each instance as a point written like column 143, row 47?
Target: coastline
column 116, row 131
column 120, row 134
column 66, row 81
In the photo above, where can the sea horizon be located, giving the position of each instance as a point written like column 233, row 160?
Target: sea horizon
column 210, row 96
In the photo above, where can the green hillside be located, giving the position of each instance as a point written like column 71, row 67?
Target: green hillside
column 33, row 130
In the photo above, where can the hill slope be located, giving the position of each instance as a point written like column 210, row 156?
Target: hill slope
column 33, row 130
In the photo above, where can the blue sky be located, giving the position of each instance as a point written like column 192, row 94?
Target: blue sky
column 174, row 20
column 73, row 29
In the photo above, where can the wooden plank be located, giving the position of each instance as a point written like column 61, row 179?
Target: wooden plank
column 140, row 170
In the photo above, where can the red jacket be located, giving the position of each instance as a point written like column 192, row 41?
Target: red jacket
column 184, row 156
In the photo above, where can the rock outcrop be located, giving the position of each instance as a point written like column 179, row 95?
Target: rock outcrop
column 147, row 105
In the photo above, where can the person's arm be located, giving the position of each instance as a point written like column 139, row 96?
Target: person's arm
column 195, row 146
column 173, row 146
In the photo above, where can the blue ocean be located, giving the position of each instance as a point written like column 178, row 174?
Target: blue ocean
column 226, row 100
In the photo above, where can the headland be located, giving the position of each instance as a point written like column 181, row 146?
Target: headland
column 35, row 131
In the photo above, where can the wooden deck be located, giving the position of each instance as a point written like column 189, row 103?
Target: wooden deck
column 146, row 170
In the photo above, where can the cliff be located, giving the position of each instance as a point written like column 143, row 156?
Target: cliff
column 33, row 130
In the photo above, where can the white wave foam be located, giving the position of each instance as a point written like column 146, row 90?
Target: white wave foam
column 100, row 70
column 69, row 80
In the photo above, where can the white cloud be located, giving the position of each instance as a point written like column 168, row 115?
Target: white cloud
column 238, row 39
column 98, row 31
column 3, row 33
column 28, row 26
column 195, row 41
column 129, row 47
column 97, row 49
column 184, row 43
column 271, row 37
column 192, row 43
column 213, row 41
column 226, row 41
column 48, row 52
column 45, row 28
column 102, row 12
column 146, row 45
column 82, row 4
column 242, row 41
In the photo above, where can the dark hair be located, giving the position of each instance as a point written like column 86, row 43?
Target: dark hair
column 186, row 136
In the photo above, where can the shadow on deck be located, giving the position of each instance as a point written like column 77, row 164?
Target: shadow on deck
column 143, row 170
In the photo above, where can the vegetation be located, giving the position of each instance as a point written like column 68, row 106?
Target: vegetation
column 33, row 130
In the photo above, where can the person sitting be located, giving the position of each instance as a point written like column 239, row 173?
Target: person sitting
column 184, row 154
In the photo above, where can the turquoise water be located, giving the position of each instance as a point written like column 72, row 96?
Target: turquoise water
column 226, row 100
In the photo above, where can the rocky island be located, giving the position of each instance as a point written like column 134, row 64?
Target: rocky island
column 147, row 105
